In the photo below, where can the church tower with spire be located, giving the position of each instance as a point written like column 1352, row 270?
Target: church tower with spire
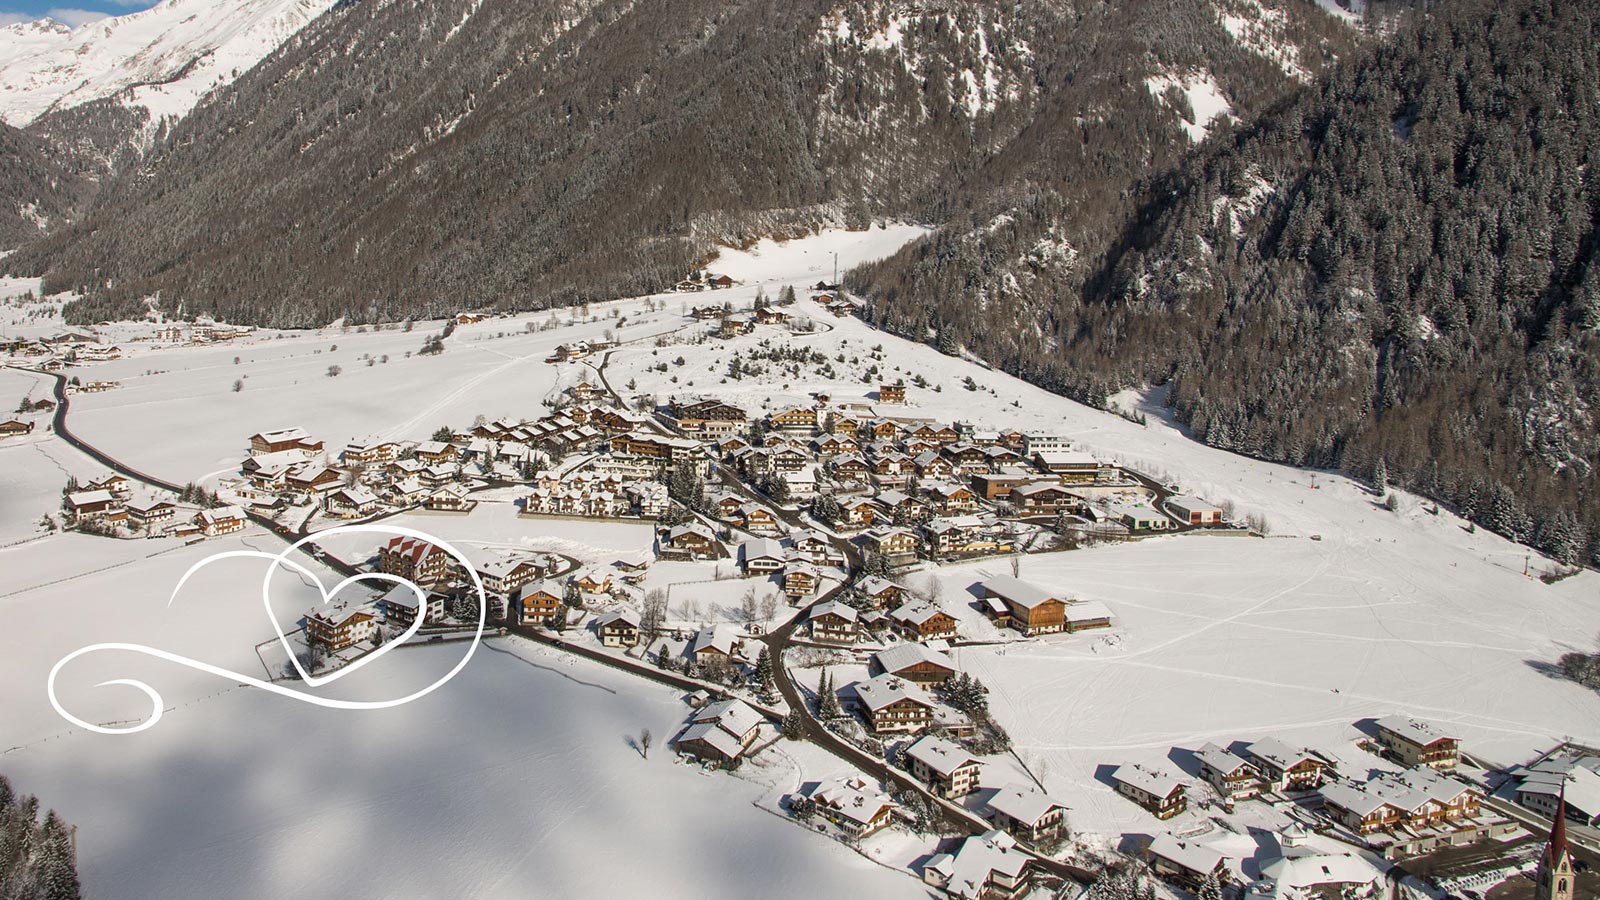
column 1555, row 877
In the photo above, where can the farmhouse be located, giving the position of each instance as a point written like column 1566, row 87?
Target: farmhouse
column 541, row 601
column 833, row 622
column 914, row 662
column 1233, row 778
column 619, row 627
column 221, row 520
column 720, row 732
column 149, row 514
column 853, row 804
column 1418, row 743
column 1285, row 768
column 400, row 606
column 691, row 540
column 1027, row 813
column 1033, row 610
column 338, row 629
column 1152, row 789
column 921, row 620
column 946, row 769
column 294, row 439
column 983, row 867
column 892, row 704
column 1187, row 862
column 14, row 428
column 351, row 503
column 90, row 506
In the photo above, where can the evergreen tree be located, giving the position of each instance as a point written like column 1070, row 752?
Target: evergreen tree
column 764, row 668
column 792, row 725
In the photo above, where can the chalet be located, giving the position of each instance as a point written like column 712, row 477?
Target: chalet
column 1188, row 863
column 540, row 601
column 449, row 498
column 800, row 579
column 960, row 535
column 433, row 452
column 833, row 445
column 313, row 479
column 892, row 393
column 116, row 485
column 1001, row 458
column 1232, row 777
column 706, row 313
column 860, row 512
column 415, row 560
column 1152, row 789
column 504, row 575
column 691, row 540
column 469, row 318
column 762, row 556
column 709, row 418
column 1140, row 517
column 720, row 732
column 401, row 606
column 584, row 392
column 844, row 424
column 658, row 447
column 951, row 499
column 351, row 503
column 892, row 467
column 1286, row 768
column 149, row 514
column 1027, row 813
column 854, row 805
column 833, row 623
column 15, row 428
column 920, row 620
column 90, row 506
column 931, row 465
column 407, row 491
column 719, row 281
column 944, row 767
column 914, row 662
column 569, row 352
column 736, row 324
column 982, row 867
column 722, row 644
column 1565, row 783
column 816, row 547
column 727, row 505
column 651, row 500
column 594, row 580
column 221, row 520
column 619, row 628
column 883, row 429
column 771, row 315
column 758, row 519
column 338, row 629
column 801, row 419
column 880, row 591
column 892, row 704
column 294, row 439
column 1194, row 511
column 371, row 453
column 1044, row 498
column 898, row 545
column 1418, row 743
column 1033, row 610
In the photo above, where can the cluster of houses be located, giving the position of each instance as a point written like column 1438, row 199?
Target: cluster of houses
column 1418, row 808
column 58, row 351
column 108, row 502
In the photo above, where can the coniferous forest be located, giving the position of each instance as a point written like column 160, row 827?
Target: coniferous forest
column 36, row 855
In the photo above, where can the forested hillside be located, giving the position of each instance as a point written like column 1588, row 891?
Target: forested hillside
column 1394, row 274
column 416, row 157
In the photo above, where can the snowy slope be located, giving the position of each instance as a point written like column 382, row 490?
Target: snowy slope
column 170, row 55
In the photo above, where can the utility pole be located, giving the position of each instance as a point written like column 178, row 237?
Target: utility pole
column 835, row 268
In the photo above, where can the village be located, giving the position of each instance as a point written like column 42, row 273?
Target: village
column 794, row 587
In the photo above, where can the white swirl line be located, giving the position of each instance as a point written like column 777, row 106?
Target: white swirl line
column 282, row 560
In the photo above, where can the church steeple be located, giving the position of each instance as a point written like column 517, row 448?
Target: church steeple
column 1555, row 877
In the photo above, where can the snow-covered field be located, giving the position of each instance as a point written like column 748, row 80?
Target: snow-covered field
column 516, row 778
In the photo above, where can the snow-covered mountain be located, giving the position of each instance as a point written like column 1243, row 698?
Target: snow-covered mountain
column 165, row 58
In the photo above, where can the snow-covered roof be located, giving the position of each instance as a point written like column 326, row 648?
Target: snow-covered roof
column 910, row 653
column 1023, row 593
column 939, row 755
column 626, row 615
column 834, row 607
column 1087, row 611
column 733, row 714
column 761, row 548
column 1023, row 802
column 356, row 496
column 1278, row 754
column 402, row 596
column 969, row 870
column 852, row 797
column 884, row 690
column 1298, row 873
column 87, row 498
column 1152, row 781
column 916, row 612
column 1414, row 730
column 1224, row 761
column 872, row 585
column 1191, row 855
column 714, row 734
column 723, row 638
